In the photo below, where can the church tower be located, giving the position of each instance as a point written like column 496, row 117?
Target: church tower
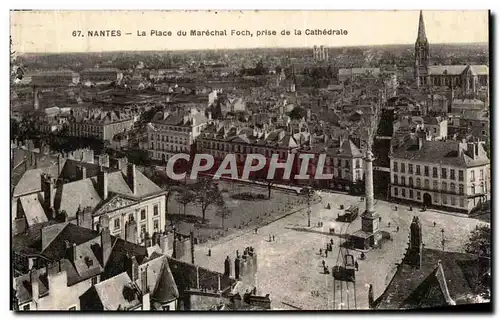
column 421, row 54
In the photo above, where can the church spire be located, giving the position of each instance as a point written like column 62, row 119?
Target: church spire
column 422, row 37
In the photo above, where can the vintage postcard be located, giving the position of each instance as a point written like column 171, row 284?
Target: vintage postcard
column 250, row 160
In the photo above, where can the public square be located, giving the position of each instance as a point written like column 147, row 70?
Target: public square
column 290, row 268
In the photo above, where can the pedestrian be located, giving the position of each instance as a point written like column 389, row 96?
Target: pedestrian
column 356, row 265
column 209, row 252
column 411, row 208
column 389, row 224
column 320, row 252
column 331, row 241
column 256, row 229
column 434, row 223
column 270, row 238
column 273, row 238
column 379, row 219
column 362, row 256
column 323, row 262
column 326, row 254
column 397, row 229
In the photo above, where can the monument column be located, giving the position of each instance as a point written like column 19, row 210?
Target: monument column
column 369, row 183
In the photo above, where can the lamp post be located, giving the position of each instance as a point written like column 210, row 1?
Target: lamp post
column 442, row 238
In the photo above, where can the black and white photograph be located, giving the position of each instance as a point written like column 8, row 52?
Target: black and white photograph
column 250, row 160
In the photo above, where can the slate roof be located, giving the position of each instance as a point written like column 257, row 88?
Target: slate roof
column 70, row 196
column 165, row 289
column 111, row 293
column 463, row 274
column 30, row 181
column 438, row 152
column 33, row 210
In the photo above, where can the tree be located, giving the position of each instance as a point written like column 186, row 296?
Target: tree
column 206, row 194
column 185, row 197
column 479, row 241
column 223, row 212
column 297, row 113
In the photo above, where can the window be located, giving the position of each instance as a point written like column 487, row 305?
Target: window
column 434, row 172
column 403, row 193
column 155, row 210
column 452, row 188
column 403, row 168
column 117, row 223
column 445, row 199
column 472, row 189
column 426, row 184
column 410, row 182
column 410, row 168
column 461, row 175
column 444, row 186
column 395, row 191
column 358, row 163
column 417, row 167
column 426, row 171
column 143, row 214
column 435, row 185
column 403, row 181
column 419, row 185
column 443, row 173
column 411, row 194
column 418, row 195
column 156, row 225
column 453, row 201
column 143, row 231
column 472, row 175
column 395, row 166
column 166, row 308
column 452, row 174
column 395, row 179
column 481, row 174
column 94, row 281
column 462, row 202
column 26, row 307
column 461, row 189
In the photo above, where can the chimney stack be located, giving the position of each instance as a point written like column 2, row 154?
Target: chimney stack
column 105, row 238
column 227, row 267
column 131, row 230
column 81, row 172
column 60, row 161
column 48, row 191
column 70, row 251
column 134, row 269
column 370, row 297
column 131, row 178
column 164, row 243
column 102, row 184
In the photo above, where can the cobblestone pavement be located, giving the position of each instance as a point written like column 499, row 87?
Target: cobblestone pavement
column 290, row 268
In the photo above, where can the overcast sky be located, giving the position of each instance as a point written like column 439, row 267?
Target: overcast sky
column 52, row 31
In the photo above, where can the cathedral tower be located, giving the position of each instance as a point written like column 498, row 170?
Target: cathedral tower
column 421, row 54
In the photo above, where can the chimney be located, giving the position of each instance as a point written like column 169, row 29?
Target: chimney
column 471, row 150
column 163, row 243
column 131, row 230
column 102, row 184
column 420, row 143
column 144, row 280
column 227, row 267
column 81, row 172
column 122, row 163
column 35, row 290
column 70, row 251
column 191, row 240
column 134, row 269
column 105, row 239
column 370, row 297
column 131, row 178
column 60, row 161
column 237, row 267
column 48, row 191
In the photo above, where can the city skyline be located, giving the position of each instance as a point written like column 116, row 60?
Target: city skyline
column 365, row 28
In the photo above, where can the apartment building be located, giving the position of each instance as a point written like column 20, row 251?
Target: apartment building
column 449, row 174
column 171, row 133
column 100, row 124
column 99, row 75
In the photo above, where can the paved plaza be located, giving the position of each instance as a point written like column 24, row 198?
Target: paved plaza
column 290, row 268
